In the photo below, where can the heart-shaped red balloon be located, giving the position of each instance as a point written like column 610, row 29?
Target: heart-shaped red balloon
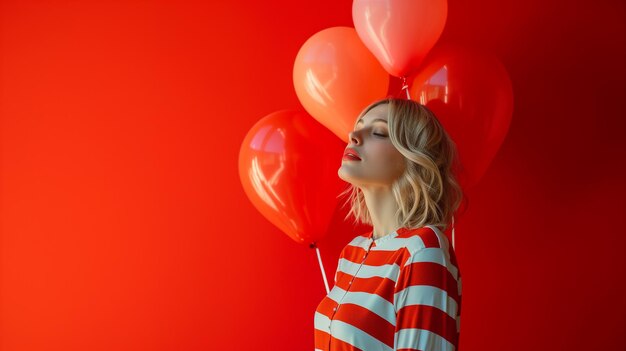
column 471, row 94
column 288, row 166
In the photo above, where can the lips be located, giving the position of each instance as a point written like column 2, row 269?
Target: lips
column 351, row 154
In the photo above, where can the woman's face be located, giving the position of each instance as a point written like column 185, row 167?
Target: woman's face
column 379, row 163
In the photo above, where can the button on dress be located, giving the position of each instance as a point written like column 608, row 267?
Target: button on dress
column 399, row 292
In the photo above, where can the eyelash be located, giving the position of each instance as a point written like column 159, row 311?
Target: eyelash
column 377, row 134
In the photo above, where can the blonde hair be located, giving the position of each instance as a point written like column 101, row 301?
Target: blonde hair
column 428, row 192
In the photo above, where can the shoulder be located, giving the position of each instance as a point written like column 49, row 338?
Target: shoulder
column 417, row 239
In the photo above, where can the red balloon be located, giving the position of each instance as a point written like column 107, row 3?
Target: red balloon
column 471, row 94
column 400, row 33
column 288, row 168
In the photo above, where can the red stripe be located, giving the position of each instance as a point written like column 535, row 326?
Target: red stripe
column 428, row 318
column 326, row 306
column 321, row 339
column 381, row 257
column 367, row 321
column 384, row 287
column 452, row 255
column 428, row 236
column 339, row 345
column 355, row 255
column 428, row 273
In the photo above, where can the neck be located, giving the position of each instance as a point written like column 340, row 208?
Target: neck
column 382, row 208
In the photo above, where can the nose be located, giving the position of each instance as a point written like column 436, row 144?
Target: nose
column 354, row 138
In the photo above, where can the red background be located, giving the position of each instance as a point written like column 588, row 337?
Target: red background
column 125, row 227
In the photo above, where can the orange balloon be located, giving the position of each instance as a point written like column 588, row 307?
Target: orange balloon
column 400, row 33
column 336, row 77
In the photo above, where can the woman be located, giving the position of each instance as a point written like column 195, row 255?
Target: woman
column 398, row 287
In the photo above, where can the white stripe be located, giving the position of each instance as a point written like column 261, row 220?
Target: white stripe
column 435, row 255
column 336, row 294
column 412, row 243
column 426, row 295
column 361, row 242
column 443, row 241
column 445, row 244
column 389, row 271
column 356, row 337
column 421, row 339
column 371, row 302
column 321, row 322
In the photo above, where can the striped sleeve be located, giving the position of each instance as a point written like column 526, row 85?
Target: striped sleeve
column 426, row 303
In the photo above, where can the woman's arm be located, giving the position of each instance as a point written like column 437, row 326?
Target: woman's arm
column 426, row 303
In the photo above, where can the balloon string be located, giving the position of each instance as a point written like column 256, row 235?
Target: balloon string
column 453, row 232
column 319, row 259
column 405, row 87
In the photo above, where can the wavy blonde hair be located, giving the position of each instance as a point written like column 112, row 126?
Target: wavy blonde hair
column 428, row 192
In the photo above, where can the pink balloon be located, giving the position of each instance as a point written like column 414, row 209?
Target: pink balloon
column 400, row 33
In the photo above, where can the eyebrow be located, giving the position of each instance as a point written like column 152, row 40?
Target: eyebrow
column 374, row 120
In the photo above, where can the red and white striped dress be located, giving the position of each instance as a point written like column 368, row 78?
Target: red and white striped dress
column 399, row 292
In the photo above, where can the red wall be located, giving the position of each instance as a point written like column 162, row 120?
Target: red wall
column 124, row 226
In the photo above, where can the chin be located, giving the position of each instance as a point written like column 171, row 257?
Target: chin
column 349, row 178
column 345, row 175
column 340, row 174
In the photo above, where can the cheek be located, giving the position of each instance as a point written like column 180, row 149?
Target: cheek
column 392, row 157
